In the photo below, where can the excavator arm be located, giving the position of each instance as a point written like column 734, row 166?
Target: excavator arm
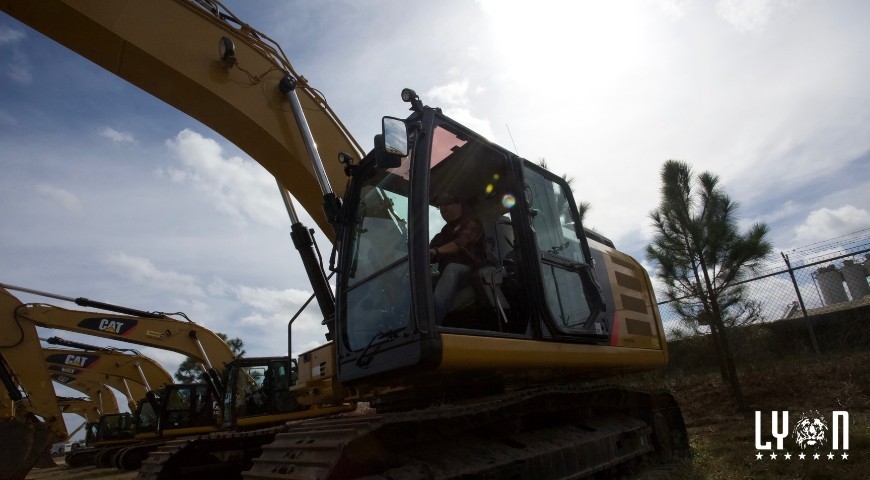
column 110, row 363
column 187, row 338
column 132, row 389
column 96, row 390
column 170, row 49
column 84, row 407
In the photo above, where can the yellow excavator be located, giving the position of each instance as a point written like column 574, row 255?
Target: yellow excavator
column 114, row 430
column 506, row 382
column 128, row 325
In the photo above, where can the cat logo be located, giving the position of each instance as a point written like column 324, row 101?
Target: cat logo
column 76, row 360
column 111, row 326
column 63, row 379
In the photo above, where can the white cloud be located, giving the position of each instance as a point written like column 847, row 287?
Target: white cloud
column 746, row 15
column 68, row 200
column 271, row 300
column 142, row 271
column 116, row 136
column 453, row 93
column 453, row 97
column 673, row 9
column 785, row 210
column 10, row 35
column 19, row 69
column 240, row 188
column 277, row 307
column 825, row 224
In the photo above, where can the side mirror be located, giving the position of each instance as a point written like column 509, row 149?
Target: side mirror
column 395, row 136
column 392, row 144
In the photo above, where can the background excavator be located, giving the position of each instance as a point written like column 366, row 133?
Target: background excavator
column 505, row 385
column 248, row 393
column 114, row 430
column 128, row 325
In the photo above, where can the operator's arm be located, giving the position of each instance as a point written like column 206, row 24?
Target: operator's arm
column 470, row 233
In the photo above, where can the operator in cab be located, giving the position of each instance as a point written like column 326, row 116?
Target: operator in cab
column 458, row 249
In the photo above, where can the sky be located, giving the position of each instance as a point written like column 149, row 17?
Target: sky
column 110, row 194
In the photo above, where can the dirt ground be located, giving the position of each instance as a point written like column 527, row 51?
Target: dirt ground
column 723, row 437
column 61, row 472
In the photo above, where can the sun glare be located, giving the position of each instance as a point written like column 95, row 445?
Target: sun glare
column 577, row 41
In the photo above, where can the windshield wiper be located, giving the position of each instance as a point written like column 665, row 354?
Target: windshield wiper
column 388, row 335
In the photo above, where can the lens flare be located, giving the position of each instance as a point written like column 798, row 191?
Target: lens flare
column 508, row 201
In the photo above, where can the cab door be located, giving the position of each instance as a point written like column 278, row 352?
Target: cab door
column 572, row 301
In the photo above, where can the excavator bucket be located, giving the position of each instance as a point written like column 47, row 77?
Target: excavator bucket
column 24, row 437
column 23, row 445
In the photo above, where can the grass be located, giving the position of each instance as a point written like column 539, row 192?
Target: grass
column 723, row 438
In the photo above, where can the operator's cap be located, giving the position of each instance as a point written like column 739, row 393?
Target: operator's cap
column 445, row 199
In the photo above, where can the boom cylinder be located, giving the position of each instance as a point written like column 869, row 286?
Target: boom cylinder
column 288, row 87
column 331, row 203
column 142, row 374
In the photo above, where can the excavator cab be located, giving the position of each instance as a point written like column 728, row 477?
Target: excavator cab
column 536, row 279
column 114, row 427
column 258, row 391
column 186, row 409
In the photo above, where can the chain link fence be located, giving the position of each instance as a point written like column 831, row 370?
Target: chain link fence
column 813, row 301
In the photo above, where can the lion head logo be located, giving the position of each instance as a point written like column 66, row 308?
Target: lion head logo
column 811, row 431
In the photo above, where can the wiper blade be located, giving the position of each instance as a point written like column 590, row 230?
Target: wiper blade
column 387, row 335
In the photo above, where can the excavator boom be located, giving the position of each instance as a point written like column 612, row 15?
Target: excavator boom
column 99, row 393
column 85, row 407
column 187, row 338
column 131, row 389
column 137, row 368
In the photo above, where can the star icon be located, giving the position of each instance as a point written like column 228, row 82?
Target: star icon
column 759, row 456
column 787, row 456
column 802, row 456
column 845, row 455
column 772, row 455
column 815, row 456
column 831, row 456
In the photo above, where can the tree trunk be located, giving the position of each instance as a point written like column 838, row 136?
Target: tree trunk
column 728, row 367
column 726, row 358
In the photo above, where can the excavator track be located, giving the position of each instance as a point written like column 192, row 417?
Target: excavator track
column 219, row 455
column 550, row 432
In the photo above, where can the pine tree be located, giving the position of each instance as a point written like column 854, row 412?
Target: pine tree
column 701, row 255
column 189, row 370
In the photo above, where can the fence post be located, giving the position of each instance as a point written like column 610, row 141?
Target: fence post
column 801, row 302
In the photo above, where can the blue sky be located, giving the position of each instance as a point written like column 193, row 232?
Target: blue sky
column 110, row 194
